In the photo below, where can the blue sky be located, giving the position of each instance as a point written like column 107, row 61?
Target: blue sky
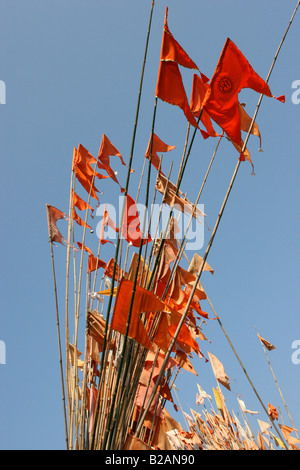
column 72, row 71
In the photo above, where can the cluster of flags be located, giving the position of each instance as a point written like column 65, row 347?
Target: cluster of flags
column 150, row 317
column 216, row 99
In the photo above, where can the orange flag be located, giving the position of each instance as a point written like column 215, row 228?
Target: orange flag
column 53, row 215
column 266, row 343
column 131, row 224
column 169, row 85
column 106, row 150
column 233, row 72
column 95, row 263
column 272, row 412
column 77, row 219
column 80, row 203
column 219, row 371
column 144, row 301
column 106, row 220
column 199, row 89
column 157, row 146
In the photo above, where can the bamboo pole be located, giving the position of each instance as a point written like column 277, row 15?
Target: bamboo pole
column 58, row 337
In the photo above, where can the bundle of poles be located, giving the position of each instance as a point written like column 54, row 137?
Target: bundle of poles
column 100, row 384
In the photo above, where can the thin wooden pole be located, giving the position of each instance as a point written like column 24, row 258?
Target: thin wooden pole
column 59, row 341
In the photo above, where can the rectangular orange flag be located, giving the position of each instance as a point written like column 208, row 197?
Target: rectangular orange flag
column 233, row 73
column 144, row 301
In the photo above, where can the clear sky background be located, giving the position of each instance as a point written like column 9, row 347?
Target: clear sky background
column 72, row 71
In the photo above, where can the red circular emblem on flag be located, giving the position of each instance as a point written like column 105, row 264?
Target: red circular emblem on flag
column 225, row 85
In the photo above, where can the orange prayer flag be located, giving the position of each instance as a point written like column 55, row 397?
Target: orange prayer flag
column 86, row 182
column 157, row 146
column 233, row 72
column 109, row 270
column 172, row 51
column 85, row 248
column 131, row 224
column 53, row 215
column 106, row 221
column 181, row 203
column 286, row 431
column 199, row 89
column 169, row 85
column 184, row 362
column 170, row 89
column 106, row 150
column 144, row 301
column 219, row 371
column 272, row 412
column 266, row 343
column 80, row 203
column 77, row 219
column 95, row 263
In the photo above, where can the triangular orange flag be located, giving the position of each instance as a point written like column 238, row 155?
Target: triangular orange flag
column 233, row 72
column 131, row 224
column 169, row 85
column 106, row 150
column 157, row 146
column 219, row 371
column 53, row 215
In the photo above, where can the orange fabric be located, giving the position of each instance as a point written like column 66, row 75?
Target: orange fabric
column 85, row 248
column 96, row 327
column 266, row 343
column 246, row 122
column 172, row 51
column 199, row 89
column 184, row 362
column 133, row 443
column 53, row 215
column 77, row 219
column 273, row 413
column 80, row 203
column 219, row 371
column 86, row 182
column 94, row 263
column 106, row 150
column 195, row 264
column 164, row 334
column 170, row 89
column 144, row 301
column 157, row 146
column 131, row 224
column 106, row 220
column 168, row 190
column 109, row 270
column 233, row 72
column 169, row 85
